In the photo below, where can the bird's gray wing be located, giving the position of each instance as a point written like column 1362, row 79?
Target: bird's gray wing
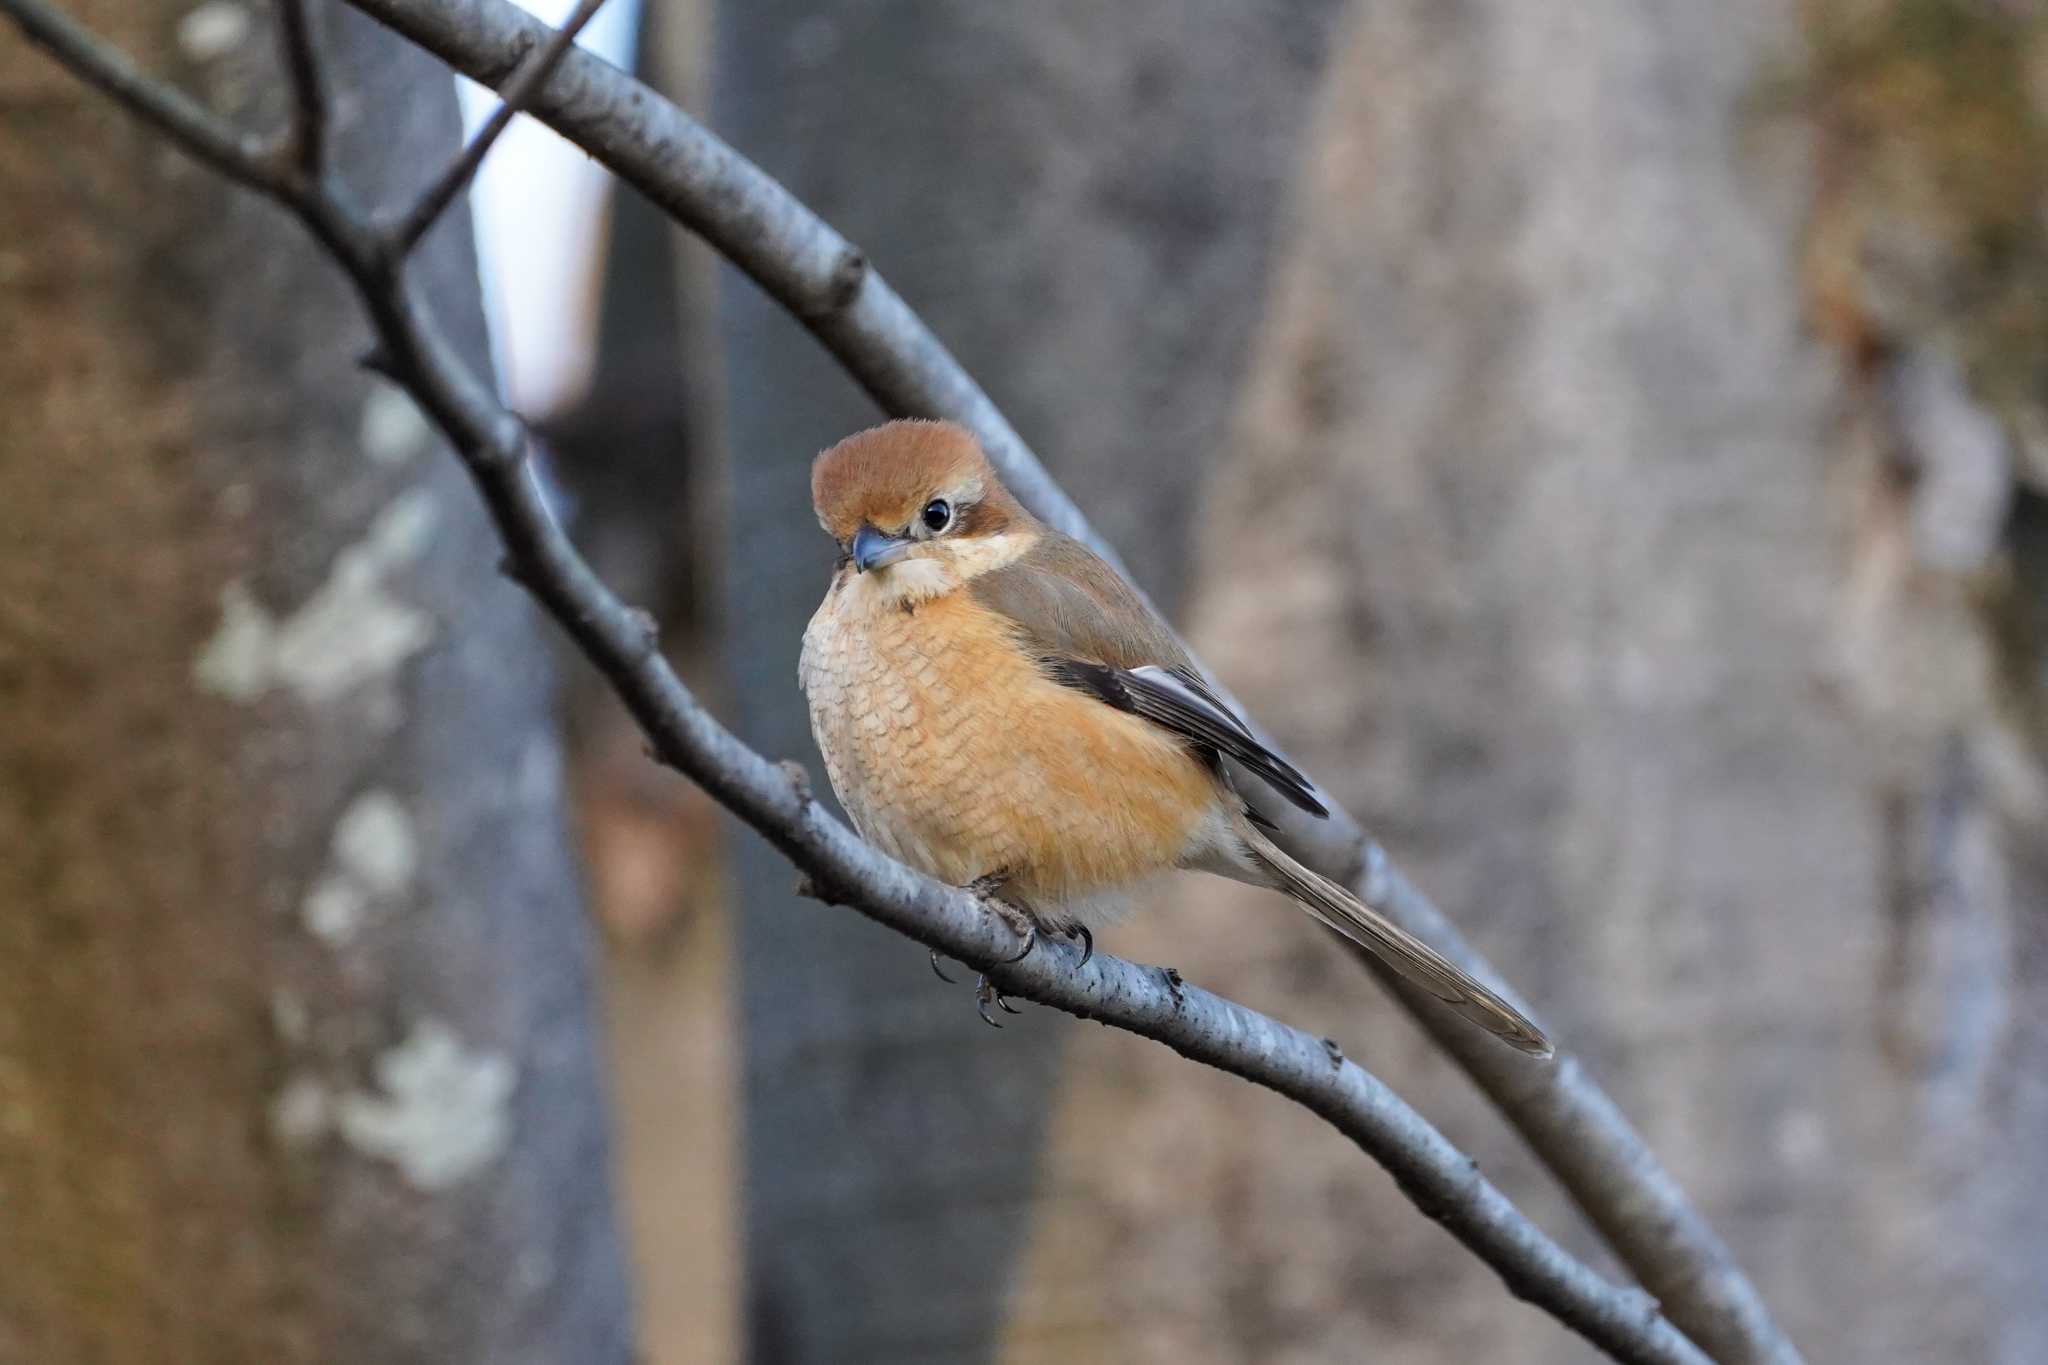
column 1091, row 632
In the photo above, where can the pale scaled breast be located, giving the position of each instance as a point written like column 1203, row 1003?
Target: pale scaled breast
column 873, row 686
column 826, row 671
column 951, row 751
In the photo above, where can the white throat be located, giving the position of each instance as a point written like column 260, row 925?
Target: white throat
column 920, row 577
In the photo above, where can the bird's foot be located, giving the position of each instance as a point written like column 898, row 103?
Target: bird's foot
column 987, row 889
column 1078, row 933
column 986, row 994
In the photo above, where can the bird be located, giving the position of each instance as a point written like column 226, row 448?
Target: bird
column 999, row 709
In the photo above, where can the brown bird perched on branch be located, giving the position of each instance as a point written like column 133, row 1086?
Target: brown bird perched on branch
column 998, row 709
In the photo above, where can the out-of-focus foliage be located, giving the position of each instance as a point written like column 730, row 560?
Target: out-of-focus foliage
column 1933, row 218
column 1929, row 235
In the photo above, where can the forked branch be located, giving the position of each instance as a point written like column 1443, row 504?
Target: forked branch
column 405, row 233
column 825, row 282
column 899, row 359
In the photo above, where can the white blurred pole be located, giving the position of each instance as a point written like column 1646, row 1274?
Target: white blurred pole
column 539, row 208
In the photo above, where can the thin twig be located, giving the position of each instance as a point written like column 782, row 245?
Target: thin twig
column 307, row 137
column 240, row 156
column 434, row 200
column 821, row 278
column 1152, row 1003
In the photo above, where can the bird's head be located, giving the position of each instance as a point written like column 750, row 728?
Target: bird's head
column 915, row 506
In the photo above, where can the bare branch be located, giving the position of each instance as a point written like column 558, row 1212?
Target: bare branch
column 1571, row 1124
column 307, row 138
column 238, row 156
column 434, row 200
column 824, row 280
column 1154, row 1003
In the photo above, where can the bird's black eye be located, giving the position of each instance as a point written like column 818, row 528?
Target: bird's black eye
column 938, row 515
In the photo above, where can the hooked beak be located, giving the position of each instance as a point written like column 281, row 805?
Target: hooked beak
column 874, row 550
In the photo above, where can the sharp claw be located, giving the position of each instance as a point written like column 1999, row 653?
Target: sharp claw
column 987, row 888
column 940, row 972
column 1030, row 942
column 985, row 994
column 1087, row 938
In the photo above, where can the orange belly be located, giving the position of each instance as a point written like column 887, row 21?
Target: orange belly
column 951, row 751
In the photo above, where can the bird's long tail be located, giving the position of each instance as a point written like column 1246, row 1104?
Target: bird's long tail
column 1393, row 945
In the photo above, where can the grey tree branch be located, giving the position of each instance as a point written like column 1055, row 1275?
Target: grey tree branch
column 306, row 139
column 775, row 799
column 434, row 201
column 1567, row 1120
column 239, row 156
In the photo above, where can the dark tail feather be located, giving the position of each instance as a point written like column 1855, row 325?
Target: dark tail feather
column 1395, row 946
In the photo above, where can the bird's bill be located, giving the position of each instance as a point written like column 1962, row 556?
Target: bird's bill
column 874, row 550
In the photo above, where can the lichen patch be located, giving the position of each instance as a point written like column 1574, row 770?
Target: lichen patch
column 374, row 843
column 372, row 862
column 236, row 662
column 351, row 631
column 444, row 1114
column 391, row 430
column 213, row 30
column 302, row 1112
column 335, row 910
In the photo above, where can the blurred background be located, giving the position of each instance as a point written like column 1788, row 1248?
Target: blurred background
column 1606, row 443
